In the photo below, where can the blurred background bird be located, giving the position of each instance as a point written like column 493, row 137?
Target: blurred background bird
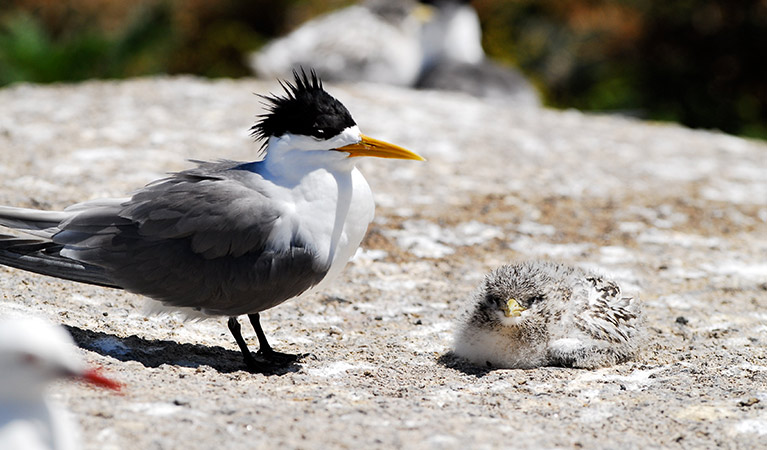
column 429, row 44
column 375, row 41
column 454, row 60
column 33, row 355
column 542, row 313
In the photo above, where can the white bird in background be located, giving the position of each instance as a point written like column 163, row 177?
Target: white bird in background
column 454, row 59
column 542, row 313
column 33, row 354
column 428, row 44
column 376, row 41
column 452, row 33
column 226, row 238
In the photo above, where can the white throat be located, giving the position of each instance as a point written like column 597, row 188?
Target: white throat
column 325, row 200
column 290, row 156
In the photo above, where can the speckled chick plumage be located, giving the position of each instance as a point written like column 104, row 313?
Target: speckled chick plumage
column 542, row 313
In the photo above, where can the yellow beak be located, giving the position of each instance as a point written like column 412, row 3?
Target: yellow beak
column 423, row 13
column 512, row 308
column 380, row 149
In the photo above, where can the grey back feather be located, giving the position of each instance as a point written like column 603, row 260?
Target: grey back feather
column 196, row 239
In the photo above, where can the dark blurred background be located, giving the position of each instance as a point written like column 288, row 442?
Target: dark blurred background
column 700, row 63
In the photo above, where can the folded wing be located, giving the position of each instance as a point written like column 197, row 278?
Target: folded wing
column 198, row 239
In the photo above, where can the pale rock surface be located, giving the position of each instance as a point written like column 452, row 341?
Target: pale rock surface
column 679, row 216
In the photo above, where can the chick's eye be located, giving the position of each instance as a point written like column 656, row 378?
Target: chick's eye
column 494, row 300
column 535, row 299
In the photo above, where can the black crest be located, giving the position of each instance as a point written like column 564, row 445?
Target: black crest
column 306, row 110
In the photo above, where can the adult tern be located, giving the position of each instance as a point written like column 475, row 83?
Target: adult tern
column 225, row 238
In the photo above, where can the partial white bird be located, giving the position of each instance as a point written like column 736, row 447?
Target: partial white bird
column 541, row 313
column 454, row 60
column 34, row 353
column 427, row 44
column 377, row 41
column 452, row 33
column 226, row 238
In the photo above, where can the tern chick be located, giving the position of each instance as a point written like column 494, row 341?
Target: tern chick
column 542, row 313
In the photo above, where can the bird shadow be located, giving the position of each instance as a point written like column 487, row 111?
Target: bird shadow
column 154, row 353
column 453, row 361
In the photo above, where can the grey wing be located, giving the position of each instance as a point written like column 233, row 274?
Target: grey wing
column 608, row 315
column 43, row 256
column 197, row 239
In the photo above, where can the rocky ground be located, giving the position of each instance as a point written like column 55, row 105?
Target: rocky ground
column 677, row 216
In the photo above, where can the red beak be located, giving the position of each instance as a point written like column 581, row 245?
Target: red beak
column 94, row 376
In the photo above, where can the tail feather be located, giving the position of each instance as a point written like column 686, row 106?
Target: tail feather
column 32, row 221
column 43, row 257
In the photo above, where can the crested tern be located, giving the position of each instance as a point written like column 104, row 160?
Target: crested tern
column 225, row 238
column 540, row 313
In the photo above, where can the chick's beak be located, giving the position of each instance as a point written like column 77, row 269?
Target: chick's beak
column 512, row 308
column 368, row 146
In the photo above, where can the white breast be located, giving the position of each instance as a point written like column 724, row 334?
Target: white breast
column 329, row 211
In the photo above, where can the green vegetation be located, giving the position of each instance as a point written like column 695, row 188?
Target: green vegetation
column 698, row 62
column 28, row 51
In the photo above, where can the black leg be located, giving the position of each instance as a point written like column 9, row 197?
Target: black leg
column 264, row 347
column 265, row 350
column 234, row 328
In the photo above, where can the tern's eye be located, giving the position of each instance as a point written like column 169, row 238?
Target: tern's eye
column 534, row 299
column 318, row 133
